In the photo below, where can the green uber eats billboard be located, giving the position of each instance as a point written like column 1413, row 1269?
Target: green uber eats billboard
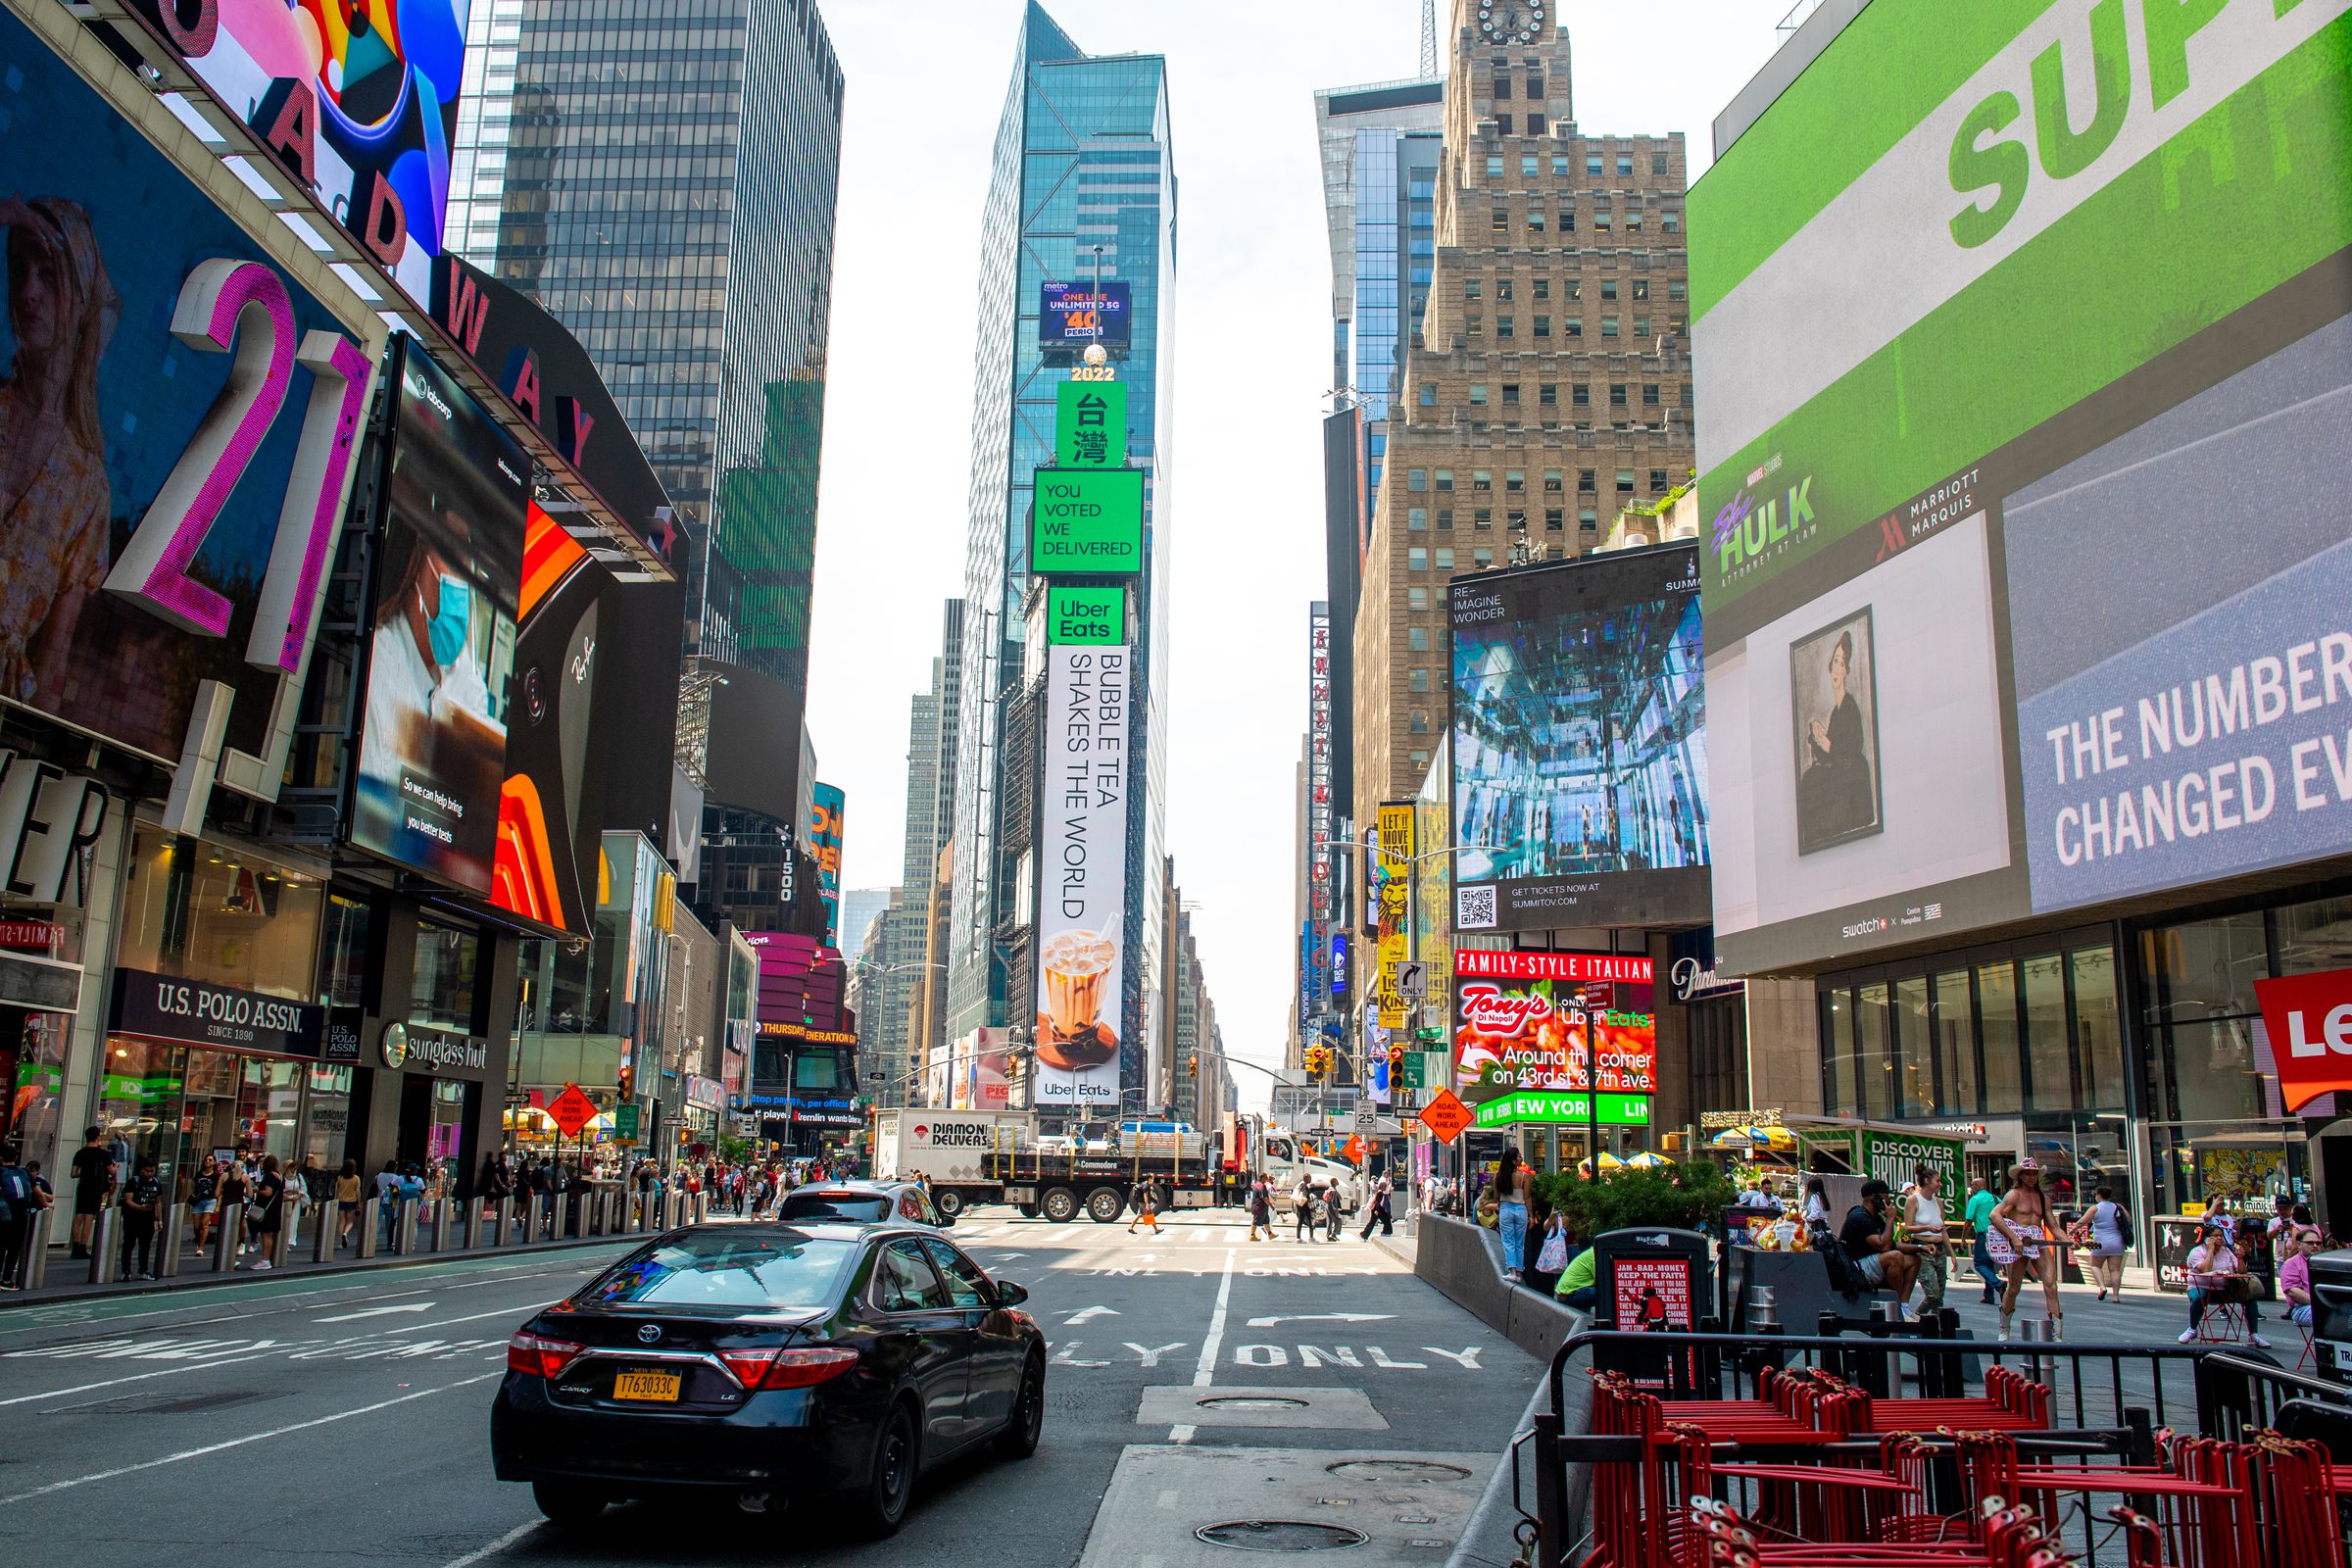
column 1086, row 522
column 1094, row 615
column 2022, row 338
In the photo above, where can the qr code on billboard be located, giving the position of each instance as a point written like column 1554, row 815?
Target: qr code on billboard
column 1474, row 909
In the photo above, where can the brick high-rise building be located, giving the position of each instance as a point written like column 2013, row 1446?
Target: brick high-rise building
column 1549, row 385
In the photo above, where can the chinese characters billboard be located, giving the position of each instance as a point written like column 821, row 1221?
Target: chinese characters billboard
column 1534, row 1022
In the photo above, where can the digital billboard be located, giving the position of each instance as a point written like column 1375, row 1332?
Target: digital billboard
column 441, row 638
column 1579, row 743
column 2025, row 578
column 358, row 97
column 1537, row 1020
column 1083, row 615
column 1090, row 425
column 1086, row 522
column 1082, row 896
column 178, row 424
column 551, row 809
column 1071, row 316
column 826, row 807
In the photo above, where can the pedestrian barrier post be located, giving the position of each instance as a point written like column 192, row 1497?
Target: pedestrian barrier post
column 281, row 1245
column 597, row 1196
column 35, row 1267
column 506, row 1216
column 527, row 1214
column 403, row 1226
column 702, row 1207
column 166, row 1240
column 102, row 1246
column 370, row 1211
column 441, row 1226
column 228, row 1219
column 322, row 1233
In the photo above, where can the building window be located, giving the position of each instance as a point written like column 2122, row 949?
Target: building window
column 1624, row 166
column 1501, row 221
column 1445, row 519
column 1528, row 165
column 1609, row 288
column 1585, row 485
column 1555, row 520
column 1573, row 326
column 1444, row 557
column 1567, row 220
column 1416, row 596
column 1535, row 87
column 1514, row 481
column 1560, row 166
column 1543, row 327
column 1551, row 481
column 1472, row 286
column 1482, row 478
column 1608, row 327
column 1416, row 638
column 1502, row 87
column 1677, row 289
column 1658, row 164
column 1579, row 396
column 1543, row 288
column 1416, row 479
column 1510, row 394
column 1640, row 326
column 1535, row 219
column 1493, row 166
column 1617, row 395
column 1475, row 325
column 1640, row 288
column 1657, row 481
column 1416, row 518
column 1587, row 519
column 1482, row 517
column 1429, row 394
column 1548, row 393
column 1420, row 722
column 1625, row 481
column 1649, row 394
column 1421, row 761
column 1600, row 218
column 1672, row 222
column 1505, row 289
column 1416, row 559
column 1482, row 558
column 1518, row 523
column 1593, row 167
column 1444, row 479
column 1505, row 325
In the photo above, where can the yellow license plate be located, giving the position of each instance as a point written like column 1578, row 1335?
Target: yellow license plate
column 663, row 1386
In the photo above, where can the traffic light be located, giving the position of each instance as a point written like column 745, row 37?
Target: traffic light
column 1192, row 1065
column 628, row 1083
column 1396, row 1055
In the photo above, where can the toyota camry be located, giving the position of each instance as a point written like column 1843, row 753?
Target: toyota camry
column 774, row 1362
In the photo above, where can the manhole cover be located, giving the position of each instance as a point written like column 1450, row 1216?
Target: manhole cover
column 1280, row 1535
column 1425, row 1470
column 1250, row 1401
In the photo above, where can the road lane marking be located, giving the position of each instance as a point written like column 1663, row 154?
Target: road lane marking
column 1067, row 1355
column 1323, row 1317
column 376, row 1312
column 135, row 1377
column 481, row 1553
column 238, row 1442
column 1087, row 1314
column 1468, row 1358
column 1206, row 1372
column 1150, row 1357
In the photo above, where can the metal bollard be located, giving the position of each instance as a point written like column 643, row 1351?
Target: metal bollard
column 596, row 1211
column 167, row 1221
column 35, row 1267
column 371, row 1213
column 1763, row 1310
column 404, row 1225
column 499, row 1229
column 227, row 1220
column 322, row 1233
column 702, row 1207
column 102, row 1246
column 441, row 1225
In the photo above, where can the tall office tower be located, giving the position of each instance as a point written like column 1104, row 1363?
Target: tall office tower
column 667, row 192
column 1082, row 192
column 931, row 732
column 883, row 983
column 1549, row 386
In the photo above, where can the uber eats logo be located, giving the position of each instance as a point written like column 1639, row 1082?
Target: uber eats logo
column 2038, row 121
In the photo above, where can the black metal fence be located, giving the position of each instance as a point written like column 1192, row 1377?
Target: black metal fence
column 2108, row 1404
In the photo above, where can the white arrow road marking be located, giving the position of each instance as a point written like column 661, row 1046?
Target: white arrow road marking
column 1152, row 1356
column 375, row 1311
column 1468, row 1358
column 1087, row 1314
column 1323, row 1317
column 1067, row 1355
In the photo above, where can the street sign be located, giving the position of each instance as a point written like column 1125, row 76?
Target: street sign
column 1366, row 1118
column 1412, row 979
column 1424, row 1069
column 625, row 1123
column 1571, row 1109
column 1445, row 1117
column 571, row 1110
column 1353, row 1149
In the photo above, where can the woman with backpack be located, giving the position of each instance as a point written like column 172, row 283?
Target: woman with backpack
column 265, row 1212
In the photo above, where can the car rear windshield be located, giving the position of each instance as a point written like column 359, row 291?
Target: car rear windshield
column 764, row 1271
column 854, row 1206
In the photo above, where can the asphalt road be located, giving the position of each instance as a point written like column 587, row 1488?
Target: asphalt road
column 293, row 1420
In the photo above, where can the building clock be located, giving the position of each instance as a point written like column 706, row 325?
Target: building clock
column 1505, row 21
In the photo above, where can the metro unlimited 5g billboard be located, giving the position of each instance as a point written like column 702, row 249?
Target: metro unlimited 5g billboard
column 2022, row 334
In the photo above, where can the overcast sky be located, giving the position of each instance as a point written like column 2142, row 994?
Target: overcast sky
column 1253, row 356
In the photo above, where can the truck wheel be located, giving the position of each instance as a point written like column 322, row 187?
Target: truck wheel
column 1060, row 1205
column 1028, row 1210
column 950, row 1202
column 1104, row 1206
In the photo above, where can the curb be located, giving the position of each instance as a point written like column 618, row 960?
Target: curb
column 73, row 1293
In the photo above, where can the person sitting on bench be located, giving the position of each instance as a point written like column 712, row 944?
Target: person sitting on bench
column 2217, row 1278
column 1869, row 1238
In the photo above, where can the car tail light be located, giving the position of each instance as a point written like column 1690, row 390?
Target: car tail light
column 789, row 1369
column 540, row 1356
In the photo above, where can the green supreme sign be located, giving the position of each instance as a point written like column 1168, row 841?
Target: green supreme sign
column 1085, row 616
column 1086, row 522
column 1571, row 1109
column 1090, row 425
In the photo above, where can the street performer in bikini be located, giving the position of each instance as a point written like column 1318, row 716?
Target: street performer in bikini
column 2022, row 1219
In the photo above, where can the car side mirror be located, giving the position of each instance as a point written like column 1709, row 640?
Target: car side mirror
column 1010, row 1294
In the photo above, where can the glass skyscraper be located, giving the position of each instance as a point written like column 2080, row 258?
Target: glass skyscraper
column 1082, row 184
column 662, row 175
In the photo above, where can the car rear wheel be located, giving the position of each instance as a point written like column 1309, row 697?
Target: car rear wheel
column 1060, row 1205
column 891, row 1486
column 569, row 1504
column 1104, row 1206
column 948, row 1202
column 1018, row 1440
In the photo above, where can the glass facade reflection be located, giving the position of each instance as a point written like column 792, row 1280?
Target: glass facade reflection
column 661, row 175
column 1082, row 183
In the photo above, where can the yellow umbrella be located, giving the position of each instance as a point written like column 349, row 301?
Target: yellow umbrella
column 528, row 1119
column 1608, row 1161
column 1645, row 1161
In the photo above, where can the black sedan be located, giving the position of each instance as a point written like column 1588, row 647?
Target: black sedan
column 774, row 1362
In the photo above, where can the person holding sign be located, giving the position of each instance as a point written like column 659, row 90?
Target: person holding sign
column 2020, row 1222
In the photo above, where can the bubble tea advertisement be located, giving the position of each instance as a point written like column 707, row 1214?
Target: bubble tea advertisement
column 1082, row 884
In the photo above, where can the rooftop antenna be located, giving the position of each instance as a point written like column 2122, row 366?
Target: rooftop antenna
column 1429, row 38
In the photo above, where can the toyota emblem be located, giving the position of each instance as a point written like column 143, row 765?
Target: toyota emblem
column 651, row 1334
